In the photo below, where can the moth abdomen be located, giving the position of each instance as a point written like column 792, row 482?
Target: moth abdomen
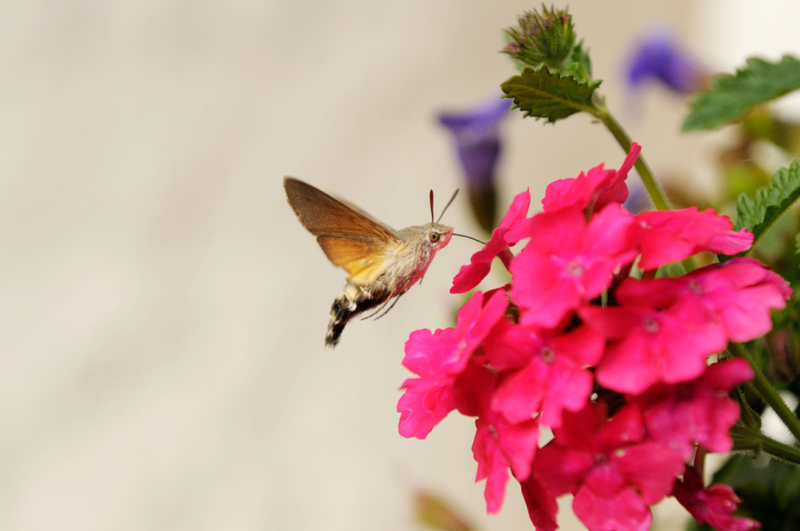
column 352, row 301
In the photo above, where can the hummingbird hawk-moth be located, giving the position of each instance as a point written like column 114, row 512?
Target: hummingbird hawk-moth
column 382, row 263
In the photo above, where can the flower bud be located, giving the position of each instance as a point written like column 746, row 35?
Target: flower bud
column 547, row 38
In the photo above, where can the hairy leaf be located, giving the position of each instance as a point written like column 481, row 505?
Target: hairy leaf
column 731, row 96
column 759, row 213
column 544, row 94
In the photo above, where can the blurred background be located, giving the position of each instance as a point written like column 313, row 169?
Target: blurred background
column 162, row 310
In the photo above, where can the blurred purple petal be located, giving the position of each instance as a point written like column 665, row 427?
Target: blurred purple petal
column 660, row 57
column 477, row 137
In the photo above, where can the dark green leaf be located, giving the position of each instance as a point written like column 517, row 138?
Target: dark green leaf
column 544, row 94
column 758, row 214
column 731, row 96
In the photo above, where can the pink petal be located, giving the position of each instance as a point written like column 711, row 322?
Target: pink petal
column 470, row 276
column 492, row 466
column 428, row 353
column 714, row 505
column 730, row 242
column 625, row 427
column 425, row 402
column 652, row 467
column 673, row 235
column 618, row 190
column 510, row 346
column 601, row 508
column 560, row 469
column 542, row 506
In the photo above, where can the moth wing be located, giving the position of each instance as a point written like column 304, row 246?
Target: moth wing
column 362, row 259
column 349, row 238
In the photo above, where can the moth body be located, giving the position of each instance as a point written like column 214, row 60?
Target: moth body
column 401, row 267
column 382, row 263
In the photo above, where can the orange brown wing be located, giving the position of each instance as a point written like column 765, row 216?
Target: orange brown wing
column 349, row 239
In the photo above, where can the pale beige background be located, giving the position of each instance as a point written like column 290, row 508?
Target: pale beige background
column 162, row 311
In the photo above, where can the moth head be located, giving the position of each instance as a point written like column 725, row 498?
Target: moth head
column 439, row 235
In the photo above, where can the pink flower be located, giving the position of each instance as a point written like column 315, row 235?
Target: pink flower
column 673, row 235
column 499, row 444
column 651, row 345
column 569, row 261
column 695, row 412
column 591, row 191
column 438, row 358
column 611, row 468
column 714, row 505
column 481, row 262
column 554, row 378
column 739, row 294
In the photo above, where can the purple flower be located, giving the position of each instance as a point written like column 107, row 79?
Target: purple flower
column 477, row 137
column 658, row 56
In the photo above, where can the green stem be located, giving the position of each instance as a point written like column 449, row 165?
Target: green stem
column 748, row 439
column 600, row 111
column 768, row 393
column 749, row 418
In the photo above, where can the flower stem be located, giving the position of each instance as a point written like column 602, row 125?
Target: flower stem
column 768, row 393
column 600, row 111
column 747, row 439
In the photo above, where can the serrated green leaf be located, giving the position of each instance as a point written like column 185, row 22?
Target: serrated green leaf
column 731, row 96
column 542, row 93
column 797, row 244
column 759, row 213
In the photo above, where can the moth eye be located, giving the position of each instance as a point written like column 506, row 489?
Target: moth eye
column 434, row 237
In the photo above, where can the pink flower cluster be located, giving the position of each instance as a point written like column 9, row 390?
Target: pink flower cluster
column 586, row 341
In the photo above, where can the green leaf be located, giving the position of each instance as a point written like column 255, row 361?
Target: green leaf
column 757, row 215
column 731, row 96
column 797, row 244
column 542, row 93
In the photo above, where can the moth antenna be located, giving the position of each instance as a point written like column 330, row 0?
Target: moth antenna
column 470, row 238
column 431, row 206
column 445, row 207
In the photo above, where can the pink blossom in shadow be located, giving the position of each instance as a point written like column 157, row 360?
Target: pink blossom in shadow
column 714, row 505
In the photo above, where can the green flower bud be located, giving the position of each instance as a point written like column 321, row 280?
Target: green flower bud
column 547, row 38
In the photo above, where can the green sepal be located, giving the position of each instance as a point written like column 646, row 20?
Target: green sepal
column 760, row 213
column 730, row 96
column 543, row 93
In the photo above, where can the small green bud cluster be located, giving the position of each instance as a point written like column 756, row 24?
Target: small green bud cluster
column 543, row 38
